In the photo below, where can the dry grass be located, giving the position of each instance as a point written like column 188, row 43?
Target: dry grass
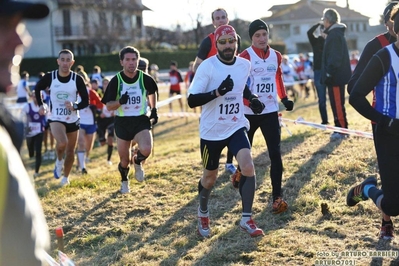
column 156, row 223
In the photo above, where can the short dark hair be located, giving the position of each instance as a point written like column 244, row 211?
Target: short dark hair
column 24, row 74
column 219, row 9
column 65, row 51
column 128, row 50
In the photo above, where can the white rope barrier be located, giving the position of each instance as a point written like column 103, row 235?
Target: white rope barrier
column 168, row 101
column 301, row 121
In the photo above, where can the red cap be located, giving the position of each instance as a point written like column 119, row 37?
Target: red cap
column 225, row 30
column 59, row 232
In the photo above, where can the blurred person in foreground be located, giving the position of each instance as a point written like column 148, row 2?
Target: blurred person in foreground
column 219, row 86
column 372, row 47
column 24, row 236
column 262, row 81
column 335, row 68
column 380, row 76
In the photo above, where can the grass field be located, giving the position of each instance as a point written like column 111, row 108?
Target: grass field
column 156, row 223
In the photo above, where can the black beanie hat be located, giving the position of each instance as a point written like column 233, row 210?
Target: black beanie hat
column 256, row 25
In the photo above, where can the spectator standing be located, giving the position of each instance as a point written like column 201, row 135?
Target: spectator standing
column 127, row 94
column 336, row 69
column 218, row 84
column 24, row 235
column 65, row 85
column 372, row 47
column 261, row 83
column 317, row 42
column 380, row 76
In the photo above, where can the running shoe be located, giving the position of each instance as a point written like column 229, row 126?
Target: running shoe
column 203, row 226
column 84, row 171
column 386, row 232
column 109, row 162
column 235, row 178
column 355, row 194
column 230, row 168
column 125, row 187
column 251, row 228
column 64, row 181
column 58, row 168
column 279, row 205
column 138, row 171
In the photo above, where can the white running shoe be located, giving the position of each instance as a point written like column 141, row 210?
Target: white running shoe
column 125, row 187
column 138, row 170
column 58, row 168
column 203, row 229
column 64, row 181
column 251, row 228
column 109, row 162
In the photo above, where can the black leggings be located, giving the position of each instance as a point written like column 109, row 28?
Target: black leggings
column 35, row 147
column 387, row 148
column 270, row 127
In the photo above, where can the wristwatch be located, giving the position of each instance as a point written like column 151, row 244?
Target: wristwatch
column 75, row 106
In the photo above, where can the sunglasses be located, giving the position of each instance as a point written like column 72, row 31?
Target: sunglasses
column 224, row 41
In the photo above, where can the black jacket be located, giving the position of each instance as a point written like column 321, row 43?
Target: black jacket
column 317, row 46
column 335, row 59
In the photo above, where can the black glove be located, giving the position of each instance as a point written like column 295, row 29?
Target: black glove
column 391, row 125
column 226, row 86
column 256, row 105
column 154, row 116
column 123, row 99
column 288, row 104
column 328, row 81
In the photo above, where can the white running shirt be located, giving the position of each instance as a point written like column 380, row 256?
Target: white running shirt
column 223, row 116
column 59, row 93
column 263, row 81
